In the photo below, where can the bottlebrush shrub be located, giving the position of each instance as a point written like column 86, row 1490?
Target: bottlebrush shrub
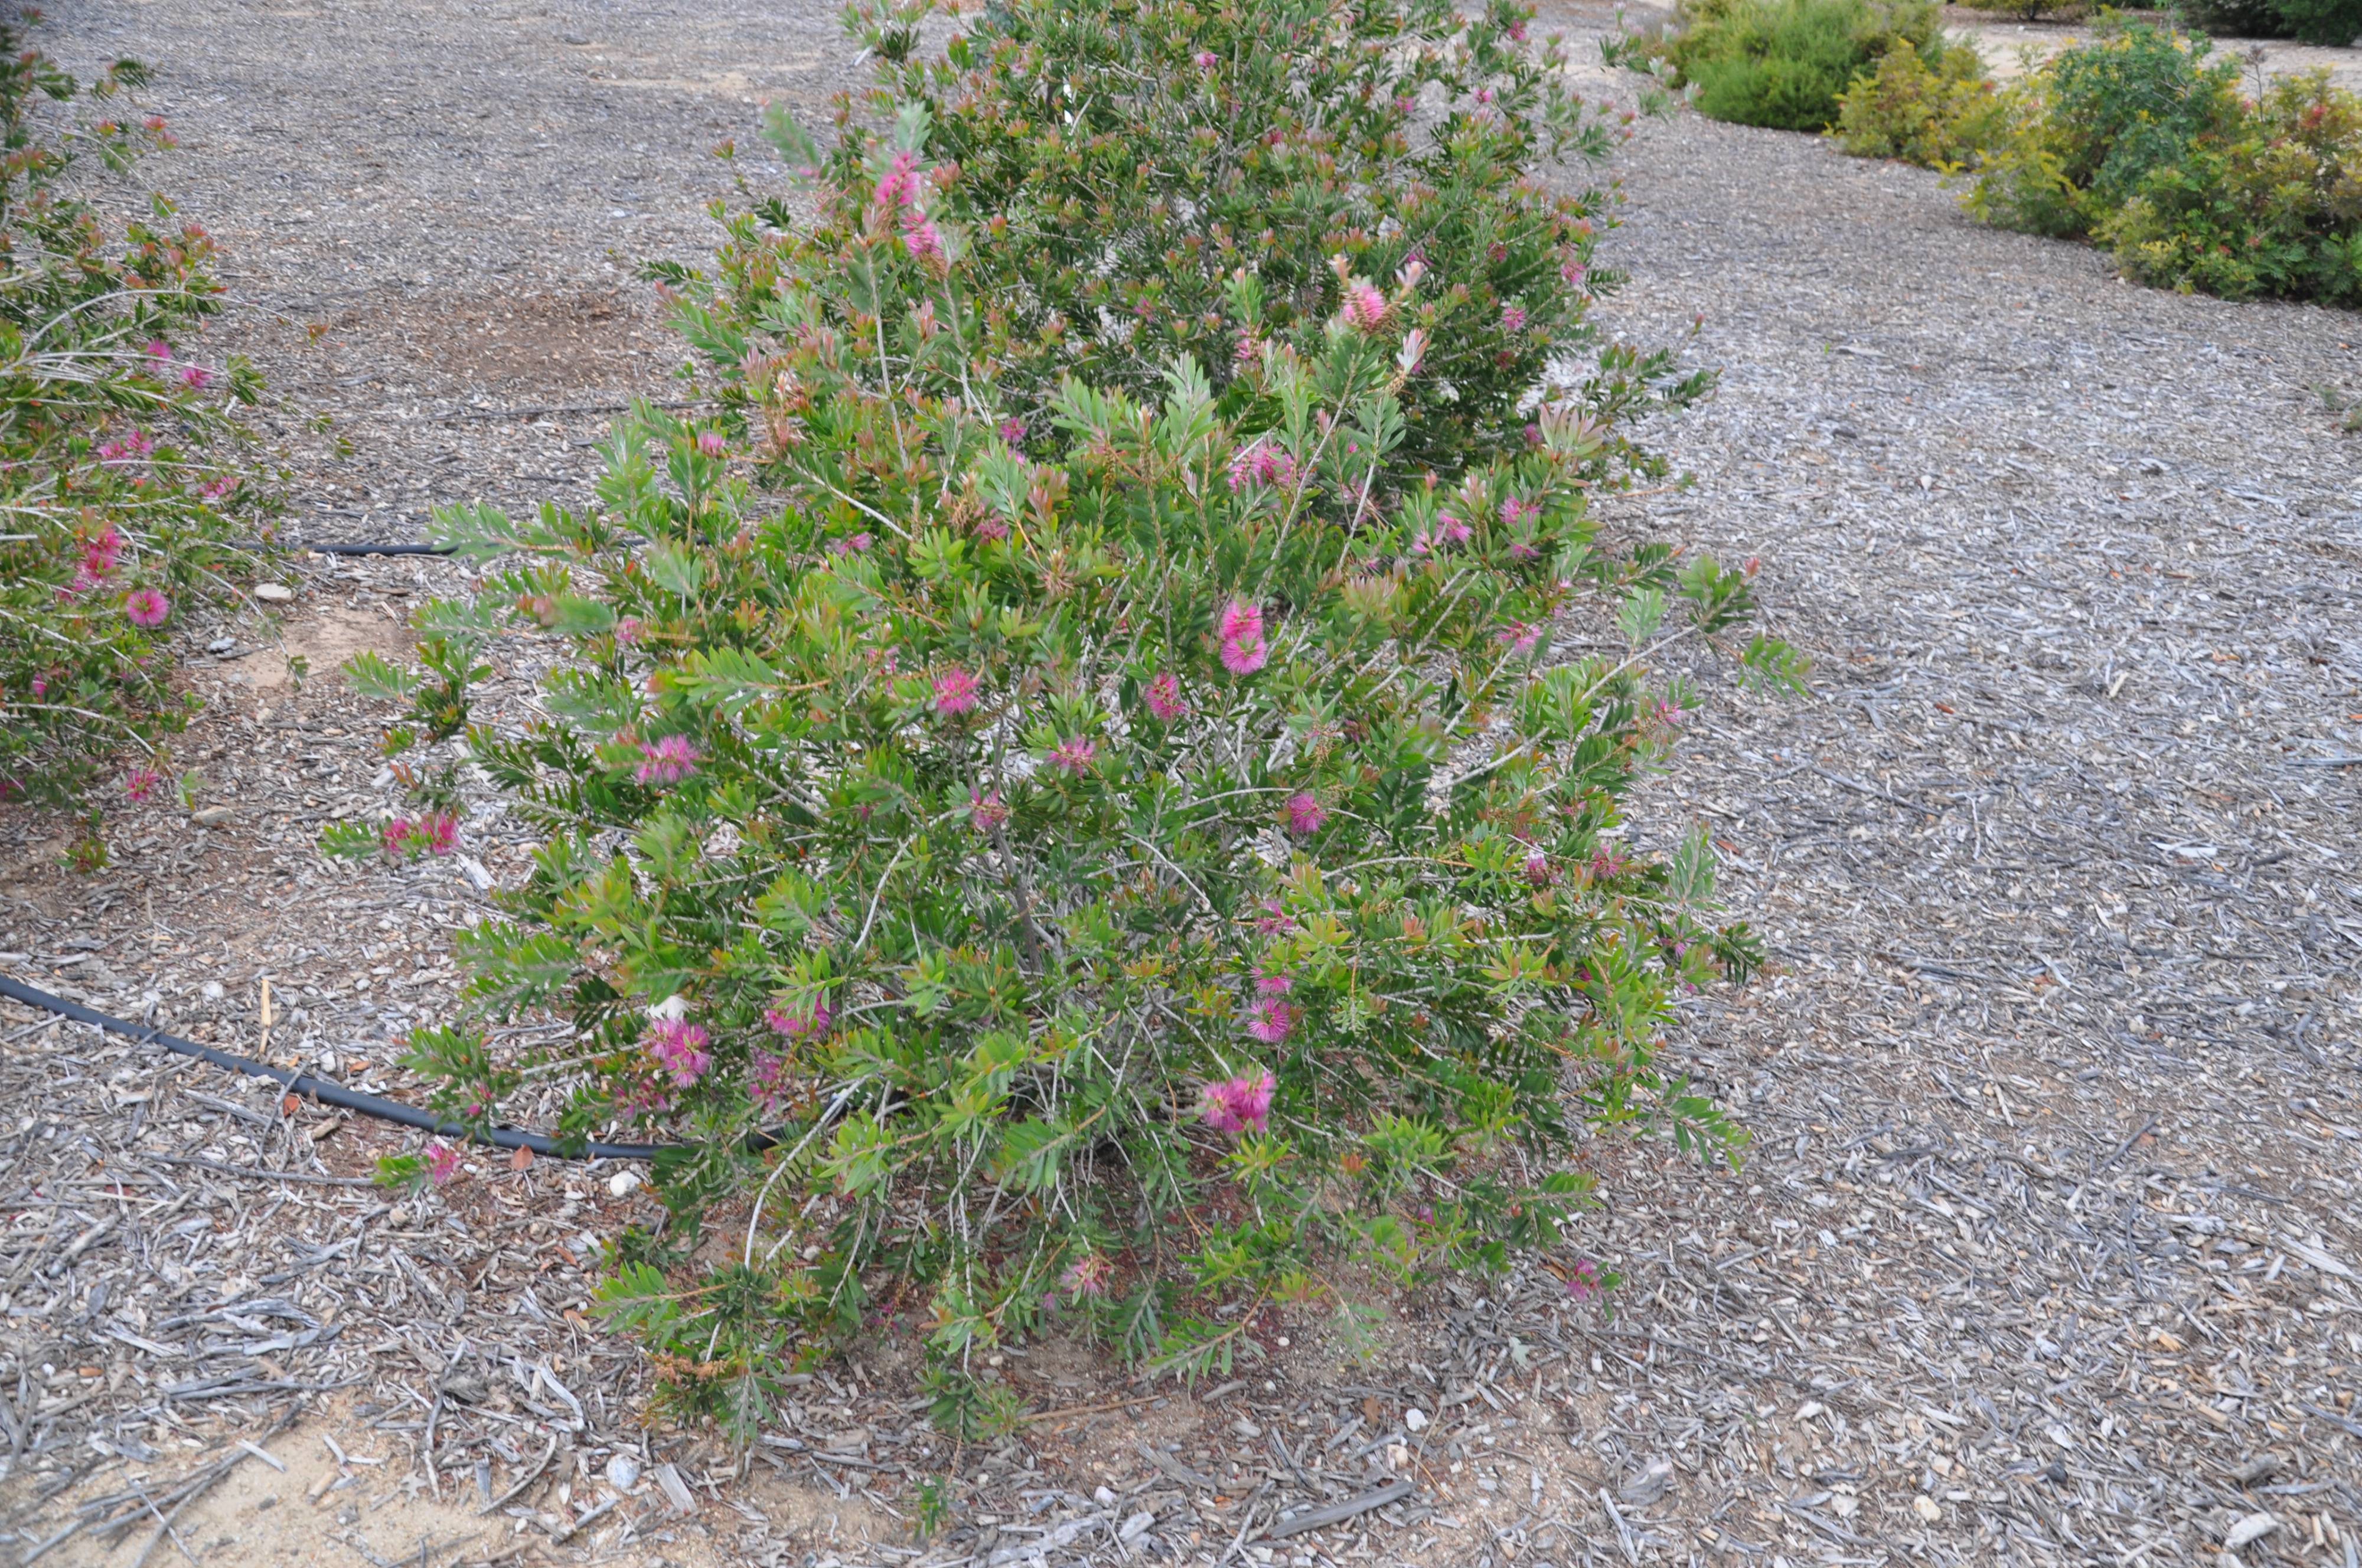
column 1093, row 187
column 116, row 512
column 1124, row 886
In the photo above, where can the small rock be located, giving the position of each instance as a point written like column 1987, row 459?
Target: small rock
column 623, row 1473
column 623, row 1183
column 213, row 816
column 211, row 990
column 1103, row 1497
column 1132, row 1528
column 1397, row 1456
column 577, row 40
column 2248, row 1531
column 221, row 644
column 274, row 592
column 1928, row 1508
column 1414, row 1420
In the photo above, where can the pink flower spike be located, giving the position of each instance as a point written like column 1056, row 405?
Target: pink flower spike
column 1453, row 530
column 1274, row 985
column 159, row 350
column 1583, row 1279
column 1305, row 814
column 1513, row 319
column 711, row 443
column 439, row 833
column 1164, row 697
column 146, row 607
column 1250, row 350
column 767, row 1081
column 1365, row 307
column 680, row 1050
column 666, row 761
column 1538, row 871
column 196, row 378
column 628, row 632
column 1270, row 1020
column 1012, row 430
column 809, row 1025
column 141, row 782
column 987, row 810
column 442, row 1162
column 1205, row 60
column 214, row 489
column 1243, row 657
column 954, row 691
column 1075, row 754
column 1234, row 1105
column 1089, row 1275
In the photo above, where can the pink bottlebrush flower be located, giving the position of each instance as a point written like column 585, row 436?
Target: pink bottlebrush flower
column 1270, row 1020
column 1538, row 871
column 898, row 187
column 1607, row 863
column 397, row 836
column 1164, row 697
column 629, row 631
column 1075, row 754
column 1583, row 1279
column 711, row 443
column 1305, row 814
column 1263, row 463
column 141, row 782
column 1249, row 352
column 678, row 1047
column 1205, row 60
column 100, row 557
column 146, row 607
column 1274, row 985
column 954, row 691
column 1367, row 308
column 1518, row 514
column 438, row 833
column 920, row 238
column 1241, row 657
column 810, row 1025
column 1451, row 530
column 1273, row 921
column 1667, row 714
column 1012, row 430
column 1518, row 31
column 1572, row 273
column 1234, row 1105
column 768, row 1081
column 1089, row 1275
column 196, row 378
column 1484, row 95
column 1520, row 550
column 214, row 489
column 159, row 350
column 1513, row 319
column 40, row 687
column 854, row 546
column 987, row 810
column 442, row 1162
column 1520, row 637
column 1414, row 351
column 991, row 527
column 666, row 761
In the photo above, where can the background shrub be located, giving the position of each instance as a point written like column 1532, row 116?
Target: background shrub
column 1939, row 115
column 2140, row 141
column 2333, row 22
column 1785, row 64
column 1100, row 173
column 1134, row 847
column 116, row 513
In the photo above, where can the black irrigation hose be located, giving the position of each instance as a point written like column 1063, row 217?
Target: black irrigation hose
column 324, row 1091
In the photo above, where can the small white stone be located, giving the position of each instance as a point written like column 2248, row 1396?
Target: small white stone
column 623, row 1183
column 1397, row 1456
column 1928, row 1508
column 274, row 592
column 623, row 1473
column 1103, row 1496
column 211, row 990
column 1414, row 1420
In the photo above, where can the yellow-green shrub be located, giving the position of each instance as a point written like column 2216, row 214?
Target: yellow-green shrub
column 1937, row 109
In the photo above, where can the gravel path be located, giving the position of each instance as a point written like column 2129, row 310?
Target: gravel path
column 2045, row 1249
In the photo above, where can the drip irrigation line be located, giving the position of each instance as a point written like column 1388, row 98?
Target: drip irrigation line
column 336, row 1094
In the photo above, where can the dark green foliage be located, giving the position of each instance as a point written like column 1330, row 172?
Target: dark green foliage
column 1784, row 63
